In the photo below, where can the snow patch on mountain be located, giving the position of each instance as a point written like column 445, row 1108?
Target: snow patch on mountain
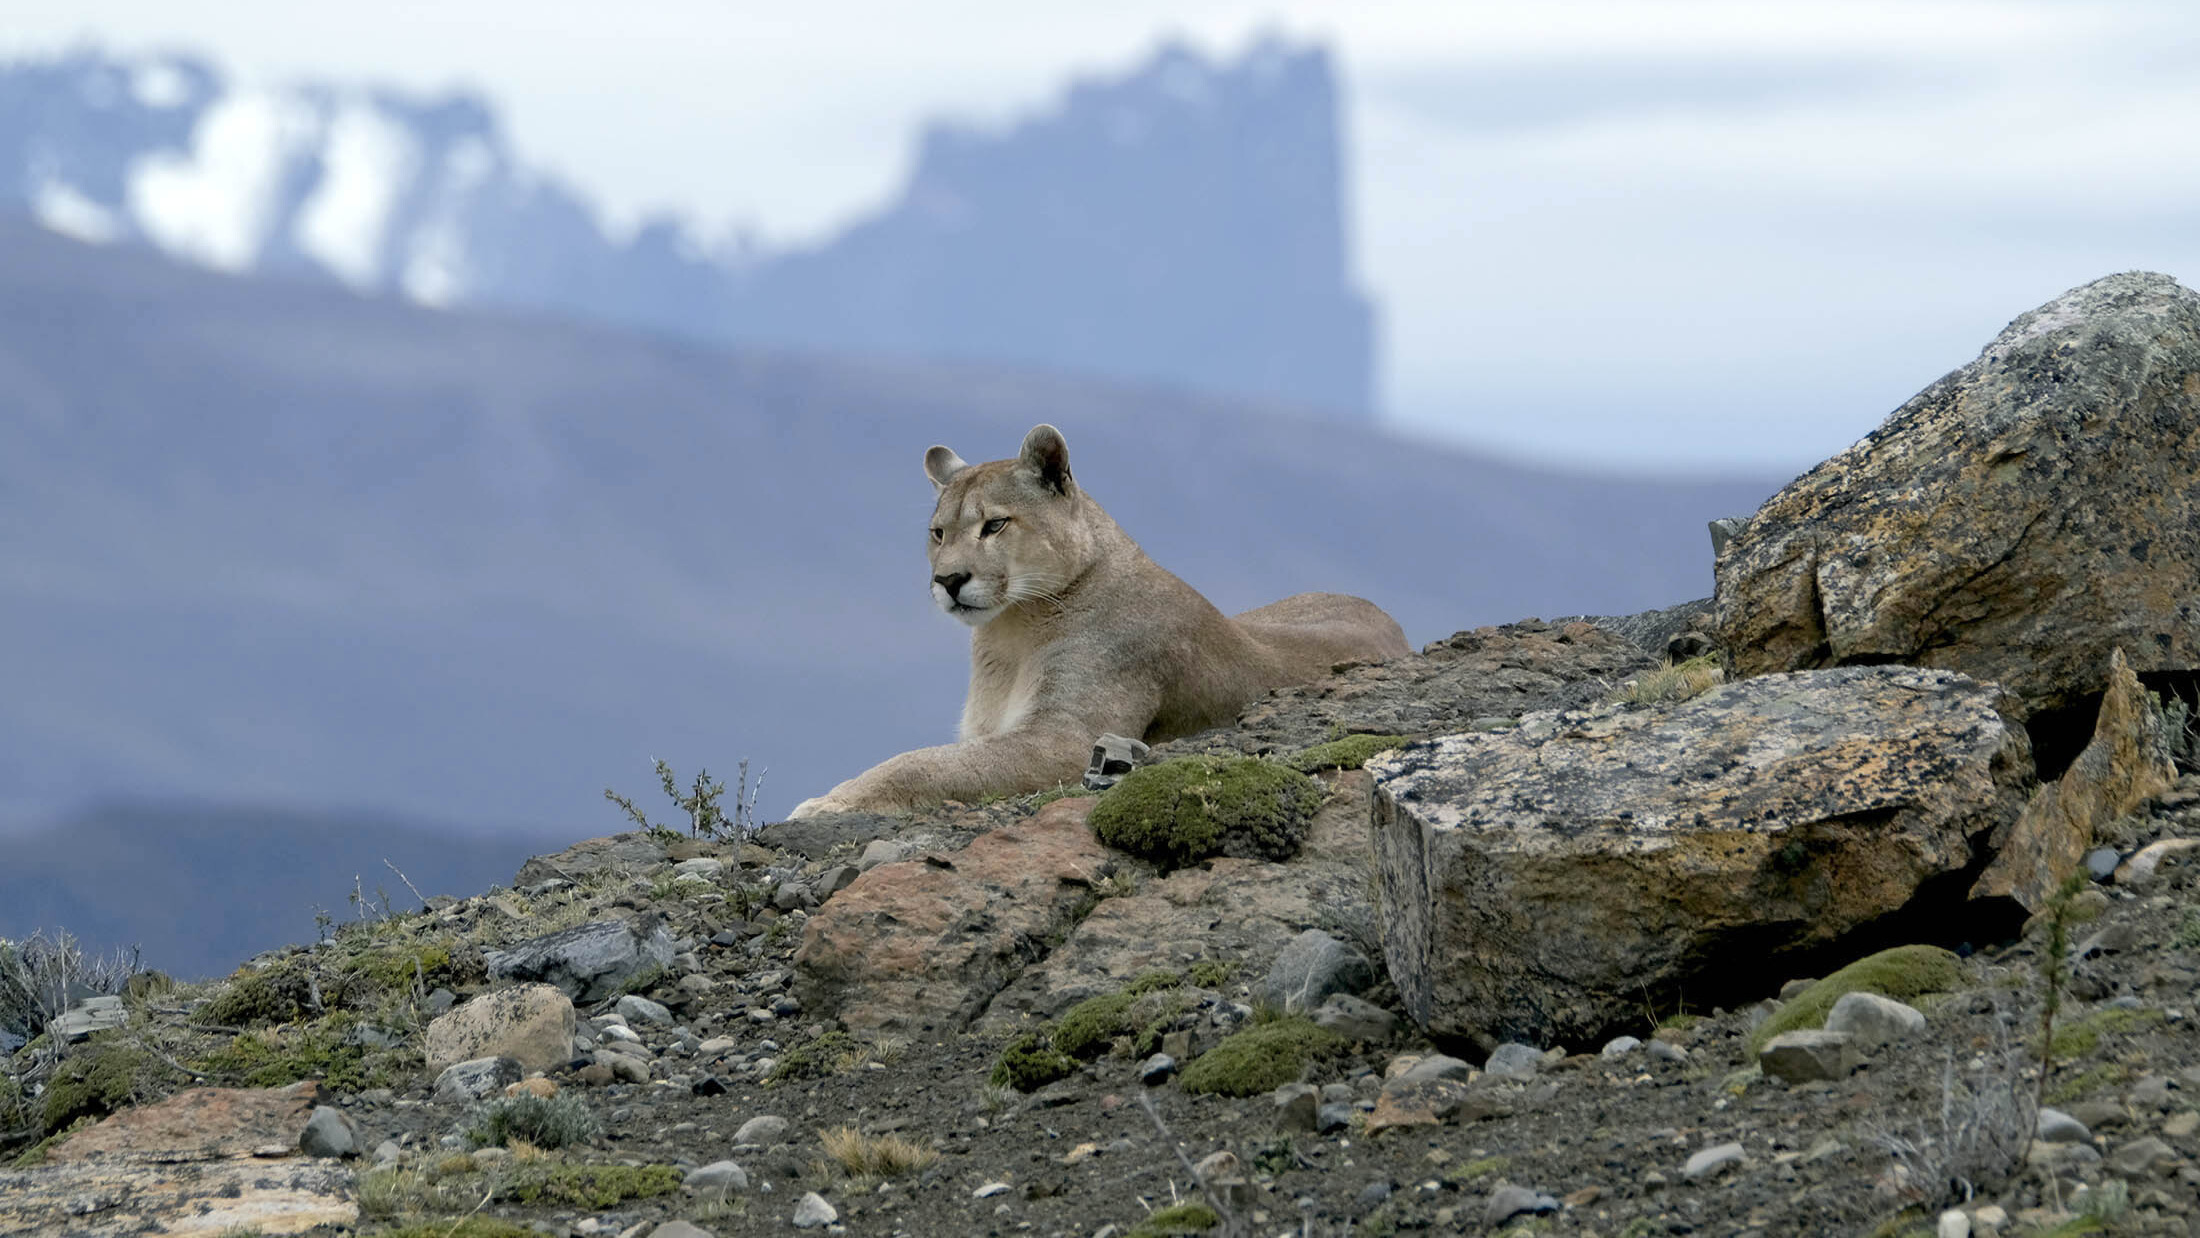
column 367, row 162
column 67, row 210
column 216, row 203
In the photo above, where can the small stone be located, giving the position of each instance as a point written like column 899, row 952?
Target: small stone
column 1355, row 1018
column 1712, row 1161
column 989, row 1190
column 718, row 1177
column 625, row 1069
column 1514, row 1061
column 708, row 1085
column 1666, row 1051
column 387, row 1153
column 2183, row 1125
column 329, row 1132
column 2059, row 1127
column 594, row 1075
column 1794, row 989
column 1333, row 1117
column 440, row 1002
column 1296, row 1106
column 673, row 1229
column 1508, row 1202
column 1954, row 1223
column 1871, row 1020
column 833, row 880
column 1804, row 1056
column 1309, row 968
column 1224, row 1175
column 2101, row 862
column 762, row 1130
column 1372, row 1196
column 2140, row 1156
column 2151, row 1092
column 1619, row 1046
column 1584, row 1197
column 701, row 866
column 697, row 985
column 812, row 1212
column 538, row 1087
column 2099, row 1112
column 465, row 1082
column 1435, row 1066
column 791, row 896
column 880, row 851
column 1156, row 1069
column 642, row 1010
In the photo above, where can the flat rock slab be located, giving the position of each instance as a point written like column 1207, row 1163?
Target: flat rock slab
column 2017, row 520
column 588, row 962
column 1494, row 672
column 615, row 852
column 924, row 944
column 1538, row 882
column 184, row 1166
column 1234, row 910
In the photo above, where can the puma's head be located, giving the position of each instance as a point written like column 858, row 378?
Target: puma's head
column 1007, row 532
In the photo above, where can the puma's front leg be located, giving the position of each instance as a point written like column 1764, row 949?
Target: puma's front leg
column 1042, row 753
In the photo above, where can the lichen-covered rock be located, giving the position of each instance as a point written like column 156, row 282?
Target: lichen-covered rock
column 925, row 943
column 2017, row 520
column 1310, row 967
column 532, row 1024
column 1538, row 883
column 1183, row 811
column 2125, row 765
column 590, row 962
column 613, row 853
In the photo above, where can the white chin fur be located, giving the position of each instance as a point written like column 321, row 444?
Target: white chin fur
column 975, row 616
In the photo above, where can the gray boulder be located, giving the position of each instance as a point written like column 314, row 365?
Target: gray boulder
column 329, row 1133
column 718, row 1178
column 2017, row 520
column 1514, row 1061
column 615, row 853
column 1310, row 968
column 1536, row 881
column 1355, row 1018
column 92, row 1014
column 1871, row 1020
column 1808, row 1056
column 476, row 1079
column 589, row 962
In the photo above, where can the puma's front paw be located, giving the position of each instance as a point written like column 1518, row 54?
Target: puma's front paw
column 822, row 804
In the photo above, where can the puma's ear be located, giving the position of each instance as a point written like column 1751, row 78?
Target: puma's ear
column 1046, row 451
column 941, row 465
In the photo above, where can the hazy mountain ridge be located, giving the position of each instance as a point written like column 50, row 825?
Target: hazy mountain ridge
column 1182, row 223
column 271, row 543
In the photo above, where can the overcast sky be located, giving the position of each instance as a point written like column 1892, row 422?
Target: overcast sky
column 1681, row 235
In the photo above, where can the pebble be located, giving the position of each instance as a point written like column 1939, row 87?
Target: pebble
column 1954, row 1223
column 764, row 1128
column 329, row 1132
column 1508, row 1202
column 1804, row 1056
column 989, row 1190
column 1156, row 1069
column 2059, row 1127
column 1666, row 1051
column 1297, row 1105
column 1619, row 1046
column 1372, row 1196
column 1436, row 1066
column 2140, row 1156
column 641, row 1009
column 2101, row 862
column 1871, row 1020
column 678, row 1229
column 812, row 1212
column 718, row 1177
column 1713, row 1160
column 1514, row 1061
column 1333, row 1117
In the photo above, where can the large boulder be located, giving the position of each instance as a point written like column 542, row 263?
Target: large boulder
column 590, row 962
column 2016, row 521
column 532, row 1024
column 924, row 944
column 2125, row 765
column 1540, row 884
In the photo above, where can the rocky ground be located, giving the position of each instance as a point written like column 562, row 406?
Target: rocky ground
column 701, row 1083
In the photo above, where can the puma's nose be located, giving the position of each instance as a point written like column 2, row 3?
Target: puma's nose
column 953, row 583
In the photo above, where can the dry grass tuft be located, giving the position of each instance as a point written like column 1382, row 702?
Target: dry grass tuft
column 1675, row 681
column 875, row 1156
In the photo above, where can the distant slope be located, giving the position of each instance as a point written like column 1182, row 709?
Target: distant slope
column 199, row 889
column 275, row 544
column 1182, row 221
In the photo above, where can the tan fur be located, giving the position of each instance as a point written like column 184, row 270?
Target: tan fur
column 1078, row 633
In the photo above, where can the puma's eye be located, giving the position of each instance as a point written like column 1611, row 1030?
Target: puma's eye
column 938, row 534
column 993, row 526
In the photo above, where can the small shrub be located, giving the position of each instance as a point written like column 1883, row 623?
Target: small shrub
column 323, row 1050
column 1176, row 1220
column 257, row 998
column 1153, row 981
column 558, row 1122
column 1902, row 973
column 1182, row 811
column 103, row 1077
column 1031, row 1062
column 1351, row 752
column 2083, row 1037
column 587, row 1186
column 1209, row 973
column 834, row 1053
column 876, row 1156
column 1260, row 1059
column 467, row 1227
column 1090, row 1026
column 700, row 805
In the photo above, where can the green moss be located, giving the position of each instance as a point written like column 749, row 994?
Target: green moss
column 469, row 1227
column 1092, row 1025
column 1153, row 981
column 321, row 1050
column 396, row 969
column 2086, row 1082
column 2083, row 1037
column 557, row 1122
column 1351, row 752
column 831, row 1054
column 1182, row 811
column 1209, row 973
column 1031, row 1062
column 1679, row 1022
column 1483, row 1168
column 1260, row 1059
column 588, row 1186
column 1901, row 973
column 96, row 1080
column 1186, row 1218
column 35, row 1155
